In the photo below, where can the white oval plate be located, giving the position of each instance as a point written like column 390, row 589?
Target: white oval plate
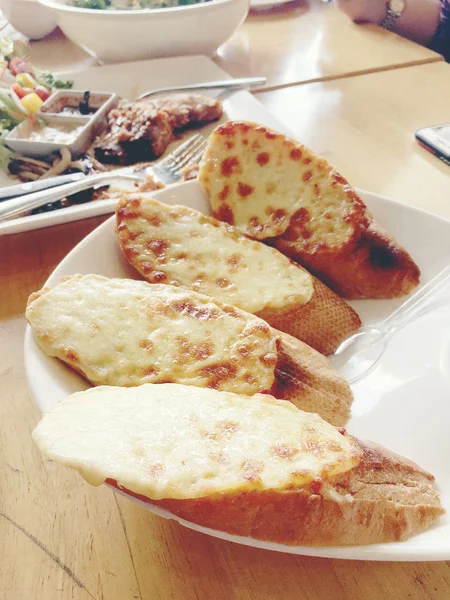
column 403, row 404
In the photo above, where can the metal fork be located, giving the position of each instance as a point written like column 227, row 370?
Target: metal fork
column 226, row 84
column 168, row 170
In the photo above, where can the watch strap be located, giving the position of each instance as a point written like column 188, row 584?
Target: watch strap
column 389, row 19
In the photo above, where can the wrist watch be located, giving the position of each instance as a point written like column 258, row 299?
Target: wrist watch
column 394, row 9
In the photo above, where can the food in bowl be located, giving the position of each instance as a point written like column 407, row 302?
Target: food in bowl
column 55, row 133
column 176, row 30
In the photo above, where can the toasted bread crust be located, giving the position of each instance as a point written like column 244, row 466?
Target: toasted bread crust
column 322, row 323
column 391, row 500
column 305, row 378
column 377, row 267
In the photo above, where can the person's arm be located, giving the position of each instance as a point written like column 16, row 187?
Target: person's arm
column 418, row 21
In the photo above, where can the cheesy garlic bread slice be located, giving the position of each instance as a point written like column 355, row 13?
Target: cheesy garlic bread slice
column 127, row 333
column 273, row 188
column 252, row 466
column 180, row 246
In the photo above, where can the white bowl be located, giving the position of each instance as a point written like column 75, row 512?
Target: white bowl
column 125, row 35
column 29, row 17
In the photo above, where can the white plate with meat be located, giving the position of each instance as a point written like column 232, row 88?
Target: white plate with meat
column 129, row 80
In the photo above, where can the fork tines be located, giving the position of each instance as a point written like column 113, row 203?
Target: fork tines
column 184, row 153
column 190, row 152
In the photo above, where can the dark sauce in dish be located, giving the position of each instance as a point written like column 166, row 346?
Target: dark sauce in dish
column 75, row 110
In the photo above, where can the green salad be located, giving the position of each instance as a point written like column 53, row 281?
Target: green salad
column 132, row 4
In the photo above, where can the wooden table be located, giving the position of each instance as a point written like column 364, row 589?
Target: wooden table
column 297, row 43
column 365, row 127
column 311, row 41
column 62, row 539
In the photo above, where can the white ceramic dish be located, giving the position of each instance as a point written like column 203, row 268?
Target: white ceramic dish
column 29, row 17
column 128, row 80
column 123, row 35
column 78, row 130
column 403, row 404
column 61, row 99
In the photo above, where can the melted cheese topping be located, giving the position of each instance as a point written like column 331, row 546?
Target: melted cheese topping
column 124, row 332
column 260, row 181
column 180, row 246
column 172, row 441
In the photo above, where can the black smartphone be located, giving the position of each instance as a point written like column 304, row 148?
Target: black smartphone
column 437, row 140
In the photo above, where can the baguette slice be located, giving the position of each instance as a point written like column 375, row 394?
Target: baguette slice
column 180, row 246
column 251, row 466
column 128, row 333
column 273, row 188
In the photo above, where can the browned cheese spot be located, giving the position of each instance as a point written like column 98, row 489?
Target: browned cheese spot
column 219, row 457
column 154, row 219
column 230, row 310
column 231, row 129
column 219, row 372
column 147, row 267
column 225, row 214
column 244, row 350
column 146, row 345
column 158, row 247
column 279, row 216
column 187, row 308
column 250, row 379
column 319, row 448
column 252, row 469
column 234, row 262
column 156, row 471
column 284, row 451
column 263, row 158
column 224, row 193
column 222, row 282
column 70, row 354
column 222, row 431
column 125, row 213
column 194, row 351
column 229, row 165
column 255, row 224
column 158, row 277
column 151, row 371
column 296, row 154
column 270, row 359
column 130, row 252
column 244, row 190
column 261, row 328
